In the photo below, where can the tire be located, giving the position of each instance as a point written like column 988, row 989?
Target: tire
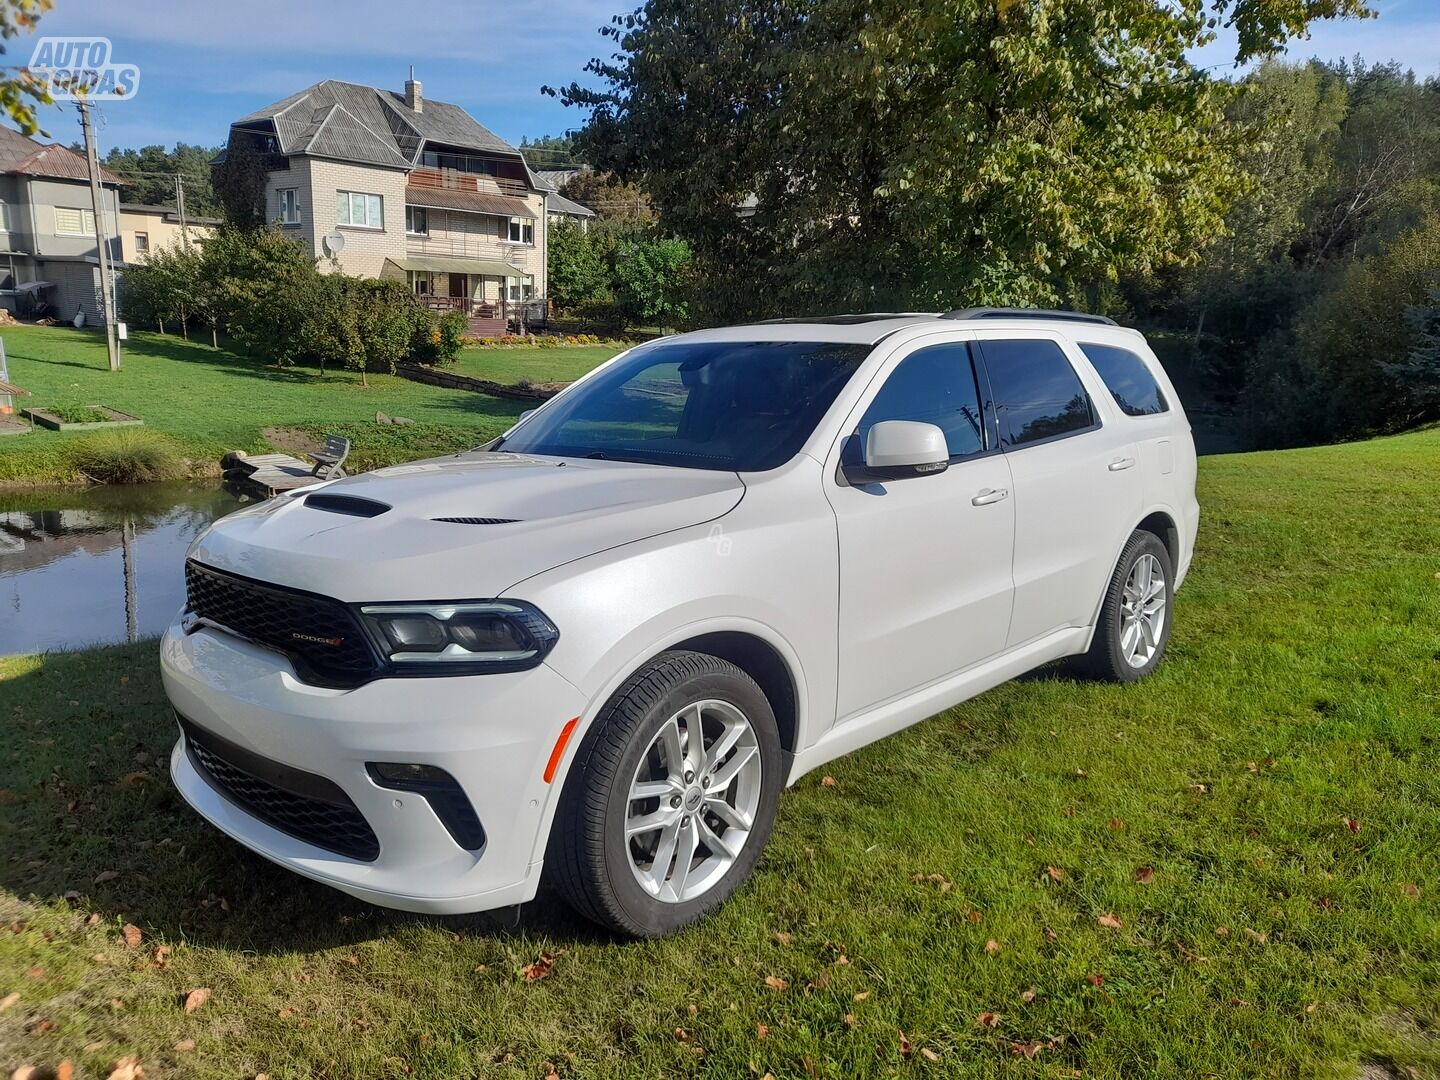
column 1113, row 655
column 629, row 883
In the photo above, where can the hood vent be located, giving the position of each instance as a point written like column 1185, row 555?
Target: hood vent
column 353, row 505
column 477, row 520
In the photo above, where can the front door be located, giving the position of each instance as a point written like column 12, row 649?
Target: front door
column 460, row 291
column 925, row 586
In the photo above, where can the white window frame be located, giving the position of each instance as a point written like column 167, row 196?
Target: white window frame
column 527, row 286
column 420, row 278
column 288, row 205
column 142, row 242
column 521, row 231
column 370, row 205
column 86, row 218
column 410, row 213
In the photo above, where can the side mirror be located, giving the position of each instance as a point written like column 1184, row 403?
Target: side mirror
column 899, row 450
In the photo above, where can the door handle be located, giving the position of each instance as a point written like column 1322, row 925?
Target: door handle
column 1121, row 463
column 990, row 495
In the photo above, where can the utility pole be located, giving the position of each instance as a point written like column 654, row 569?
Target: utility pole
column 102, row 242
column 180, row 208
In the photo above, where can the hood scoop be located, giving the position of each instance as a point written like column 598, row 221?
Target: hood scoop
column 477, row 520
column 353, row 505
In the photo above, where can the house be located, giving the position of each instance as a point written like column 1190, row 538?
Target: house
column 384, row 184
column 559, row 208
column 48, row 254
column 148, row 228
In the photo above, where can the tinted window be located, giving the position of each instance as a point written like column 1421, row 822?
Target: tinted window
column 742, row 405
column 934, row 386
column 1127, row 378
column 1037, row 393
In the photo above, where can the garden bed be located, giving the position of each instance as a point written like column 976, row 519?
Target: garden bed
column 81, row 417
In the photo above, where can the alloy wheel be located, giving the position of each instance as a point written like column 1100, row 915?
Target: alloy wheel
column 1143, row 607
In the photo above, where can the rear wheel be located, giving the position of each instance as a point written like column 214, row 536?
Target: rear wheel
column 671, row 797
column 1134, row 624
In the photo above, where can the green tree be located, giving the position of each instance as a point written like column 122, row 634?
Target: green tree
column 610, row 197
column 848, row 154
column 151, row 173
column 262, row 284
column 240, row 177
column 20, row 91
column 576, row 272
column 651, row 281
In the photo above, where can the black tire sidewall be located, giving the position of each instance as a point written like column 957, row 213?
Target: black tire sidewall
column 1140, row 543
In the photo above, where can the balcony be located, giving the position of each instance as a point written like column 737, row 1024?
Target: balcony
column 454, row 180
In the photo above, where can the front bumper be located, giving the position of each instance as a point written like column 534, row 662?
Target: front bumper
column 492, row 733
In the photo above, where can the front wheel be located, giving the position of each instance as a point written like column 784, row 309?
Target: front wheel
column 1134, row 624
column 671, row 797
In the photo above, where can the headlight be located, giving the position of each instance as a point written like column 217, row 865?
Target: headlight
column 459, row 638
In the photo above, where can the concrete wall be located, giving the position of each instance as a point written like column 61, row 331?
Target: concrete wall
column 162, row 231
column 44, row 195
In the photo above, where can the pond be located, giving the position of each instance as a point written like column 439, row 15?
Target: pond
column 97, row 566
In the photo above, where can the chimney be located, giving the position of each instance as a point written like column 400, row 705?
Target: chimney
column 413, row 97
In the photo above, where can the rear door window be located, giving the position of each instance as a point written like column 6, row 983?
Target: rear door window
column 1038, row 396
column 1127, row 378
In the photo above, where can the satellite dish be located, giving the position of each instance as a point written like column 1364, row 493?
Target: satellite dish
column 334, row 243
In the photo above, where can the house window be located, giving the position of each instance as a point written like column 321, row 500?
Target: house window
column 420, row 282
column 359, row 209
column 416, row 221
column 527, row 287
column 72, row 221
column 289, row 199
column 142, row 242
column 522, row 230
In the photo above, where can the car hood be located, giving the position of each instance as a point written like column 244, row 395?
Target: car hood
column 553, row 511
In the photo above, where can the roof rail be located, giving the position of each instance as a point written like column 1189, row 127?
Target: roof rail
column 1025, row 313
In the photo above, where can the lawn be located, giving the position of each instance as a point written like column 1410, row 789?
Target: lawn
column 1230, row 870
column 210, row 401
column 507, row 364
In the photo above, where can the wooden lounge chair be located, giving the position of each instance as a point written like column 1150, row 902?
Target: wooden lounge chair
column 331, row 459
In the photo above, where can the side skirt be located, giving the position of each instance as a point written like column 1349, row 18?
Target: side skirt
column 893, row 716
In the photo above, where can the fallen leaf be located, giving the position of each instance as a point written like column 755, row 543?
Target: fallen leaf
column 973, row 916
column 138, row 777
column 162, row 955
column 93, row 919
column 1110, row 922
column 1222, row 931
column 106, row 875
column 1198, row 789
column 1027, row 1050
column 1256, row 936
column 987, row 1019
column 1312, row 1006
column 1239, row 1002
column 1411, row 890
column 41, row 1025
column 538, row 969
column 25, row 1072
column 1067, row 811
column 184, row 1046
column 36, row 973
column 693, row 1009
column 128, row 1068
column 905, row 1048
column 65, row 1070
column 762, row 1031
column 682, row 1035
column 197, row 997
column 1351, row 824
column 849, row 1020
column 827, row 781
column 1055, row 873
column 285, row 1014
column 8, row 1000
column 351, row 959
column 928, row 1054
column 1051, row 936
column 863, row 995
column 774, row 982
column 842, row 960
column 1117, row 823
column 992, row 946
column 1145, row 875
column 1081, row 773
column 132, row 935
column 782, row 937
column 1095, row 980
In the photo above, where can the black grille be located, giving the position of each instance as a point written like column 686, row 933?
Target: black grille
column 477, row 520
column 353, row 505
column 308, row 807
column 321, row 636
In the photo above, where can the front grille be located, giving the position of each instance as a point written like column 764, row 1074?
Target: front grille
column 304, row 805
column 321, row 636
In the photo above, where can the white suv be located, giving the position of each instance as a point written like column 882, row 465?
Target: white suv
column 602, row 644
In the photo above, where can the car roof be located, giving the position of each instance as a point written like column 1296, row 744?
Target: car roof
column 871, row 327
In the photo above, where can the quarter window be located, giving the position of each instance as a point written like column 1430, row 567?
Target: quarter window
column 933, row 386
column 289, row 200
column 1127, row 378
column 359, row 208
column 1038, row 396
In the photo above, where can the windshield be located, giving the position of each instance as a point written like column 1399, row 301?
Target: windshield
column 746, row 406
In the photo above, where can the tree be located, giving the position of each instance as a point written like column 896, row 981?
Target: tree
column 650, row 281
column 576, row 272
column 610, row 197
column 22, row 91
column 925, row 153
column 151, row 174
column 240, row 179
column 262, row 283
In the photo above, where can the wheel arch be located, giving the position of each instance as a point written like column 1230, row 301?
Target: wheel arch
column 1160, row 523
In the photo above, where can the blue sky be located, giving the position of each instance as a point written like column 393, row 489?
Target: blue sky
column 203, row 64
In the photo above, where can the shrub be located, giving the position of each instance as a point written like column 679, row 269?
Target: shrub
column 440, row 342
column 125, row 456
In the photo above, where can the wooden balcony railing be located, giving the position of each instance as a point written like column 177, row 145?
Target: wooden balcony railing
column 454, row 180
column 531, row 313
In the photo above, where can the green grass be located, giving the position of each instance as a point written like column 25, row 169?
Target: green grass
column 1274, row 940
column 209, row 401
column 510, row 365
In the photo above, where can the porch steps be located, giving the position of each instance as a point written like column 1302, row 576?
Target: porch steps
column 481, row 327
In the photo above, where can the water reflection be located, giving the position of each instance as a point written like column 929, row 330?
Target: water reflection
column 105, row 565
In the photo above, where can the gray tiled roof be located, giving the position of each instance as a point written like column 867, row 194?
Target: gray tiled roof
column 351, row 122
column 558, row 204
